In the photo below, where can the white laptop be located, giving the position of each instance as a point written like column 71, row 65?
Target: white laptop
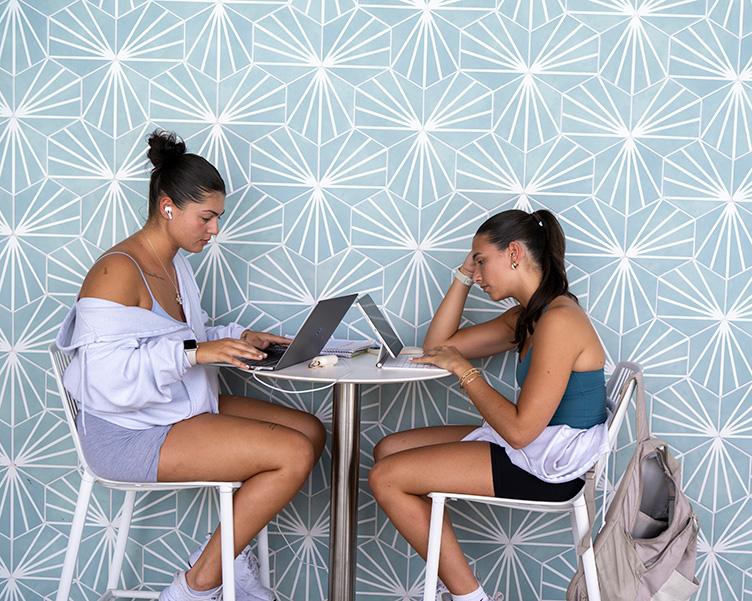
column 391, row 345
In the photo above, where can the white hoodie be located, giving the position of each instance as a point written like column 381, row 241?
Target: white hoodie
column 128, row 364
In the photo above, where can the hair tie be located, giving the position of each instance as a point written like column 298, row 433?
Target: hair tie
column 535, row 216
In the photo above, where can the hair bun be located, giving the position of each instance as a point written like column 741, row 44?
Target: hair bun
column 163, row 147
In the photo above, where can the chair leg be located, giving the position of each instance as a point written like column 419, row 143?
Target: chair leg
column 126, row 514
column 604, row 502
column 227, row 542
column 434, row 547
column 74, row 541
column 262, row 540
column 582, row 528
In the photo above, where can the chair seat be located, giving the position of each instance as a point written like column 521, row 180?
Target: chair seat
column 114, row 594
column 146, row 486
column 542, row 506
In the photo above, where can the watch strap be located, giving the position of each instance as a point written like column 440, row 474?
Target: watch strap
column 465, row 280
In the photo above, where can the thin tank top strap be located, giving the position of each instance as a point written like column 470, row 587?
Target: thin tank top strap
column 141, row 271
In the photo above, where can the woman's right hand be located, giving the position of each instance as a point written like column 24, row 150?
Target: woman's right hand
column 468, row 265
column 227, row 350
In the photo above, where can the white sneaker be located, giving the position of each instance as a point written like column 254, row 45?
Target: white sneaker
column 248, row 585
column 179, row 591
column 443, row 594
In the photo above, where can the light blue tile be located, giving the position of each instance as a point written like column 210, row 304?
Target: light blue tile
column 24, row 41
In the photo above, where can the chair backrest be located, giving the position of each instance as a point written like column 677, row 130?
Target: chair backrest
column 619, row 390
column 60, row 362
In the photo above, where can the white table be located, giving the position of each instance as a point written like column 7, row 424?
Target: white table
column 347, row 376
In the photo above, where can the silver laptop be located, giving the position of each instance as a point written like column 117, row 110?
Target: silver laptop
column 391, row 345
column 310, row 339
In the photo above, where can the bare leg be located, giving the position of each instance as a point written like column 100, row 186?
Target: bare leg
column 419, row 437
column 303, row 422
column 272, row 460
column 401, row 480
column 423, row 437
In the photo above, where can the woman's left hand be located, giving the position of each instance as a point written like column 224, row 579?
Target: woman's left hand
column 445, row 357
column 262, row 340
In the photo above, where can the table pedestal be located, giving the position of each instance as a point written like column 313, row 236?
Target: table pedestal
column 343, row 519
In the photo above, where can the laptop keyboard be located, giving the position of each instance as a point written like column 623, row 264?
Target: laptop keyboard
column 403, row 362
column 273, row 352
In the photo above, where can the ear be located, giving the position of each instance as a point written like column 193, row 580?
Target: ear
column 164, row 202
column 516, row 250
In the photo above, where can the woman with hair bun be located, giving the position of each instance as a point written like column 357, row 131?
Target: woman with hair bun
column 537, row 448
column 142, row 372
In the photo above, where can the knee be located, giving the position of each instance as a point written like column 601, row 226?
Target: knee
column 318, row 436
column 385, row 447
column 381, row 479
column 300, row 455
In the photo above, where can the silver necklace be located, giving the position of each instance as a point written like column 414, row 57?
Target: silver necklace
column 174, row 284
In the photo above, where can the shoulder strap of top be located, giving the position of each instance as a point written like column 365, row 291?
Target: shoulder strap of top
column 141, row 271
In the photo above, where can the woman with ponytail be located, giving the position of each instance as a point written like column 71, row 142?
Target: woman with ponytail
column 537, row 448
column 143, row 371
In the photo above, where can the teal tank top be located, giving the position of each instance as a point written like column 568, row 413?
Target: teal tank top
column 584, row 402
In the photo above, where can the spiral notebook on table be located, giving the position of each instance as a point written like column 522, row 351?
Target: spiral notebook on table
column 347, row 348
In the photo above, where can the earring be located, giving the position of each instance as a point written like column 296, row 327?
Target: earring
column 168, row 210
column 514, row 265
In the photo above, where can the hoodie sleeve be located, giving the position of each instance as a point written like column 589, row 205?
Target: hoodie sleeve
column 231, row 330
column 133, row 373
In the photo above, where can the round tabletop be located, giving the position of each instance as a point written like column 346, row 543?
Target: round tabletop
column 358, row 370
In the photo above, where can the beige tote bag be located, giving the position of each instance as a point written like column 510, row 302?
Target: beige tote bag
column 647, row 549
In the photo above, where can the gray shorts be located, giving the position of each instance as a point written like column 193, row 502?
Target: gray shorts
column 118, row 453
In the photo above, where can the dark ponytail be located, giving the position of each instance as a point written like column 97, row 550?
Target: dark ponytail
column 182, row 176
column 543, row 238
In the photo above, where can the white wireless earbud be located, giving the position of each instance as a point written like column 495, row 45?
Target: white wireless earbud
column 168, row 210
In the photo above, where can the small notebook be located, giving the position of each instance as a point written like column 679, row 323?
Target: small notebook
column 347, row 348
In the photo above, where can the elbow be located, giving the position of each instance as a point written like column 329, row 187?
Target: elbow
column 434, row 341
column 519, row 440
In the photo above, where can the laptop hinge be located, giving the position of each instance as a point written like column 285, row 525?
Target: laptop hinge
column 383, row 356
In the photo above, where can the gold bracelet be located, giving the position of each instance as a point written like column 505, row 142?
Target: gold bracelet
column 471, row 379
column 464, row 376
column 467, row 374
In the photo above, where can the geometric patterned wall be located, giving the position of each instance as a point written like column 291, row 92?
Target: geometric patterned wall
column 362, row 143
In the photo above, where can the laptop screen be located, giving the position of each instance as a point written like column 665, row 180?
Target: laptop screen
column 381, row 325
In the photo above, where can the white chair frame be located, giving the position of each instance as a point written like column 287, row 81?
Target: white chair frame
column 620, row 388
column 226, row 489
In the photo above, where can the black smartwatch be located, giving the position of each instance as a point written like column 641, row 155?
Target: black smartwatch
column 189, row 347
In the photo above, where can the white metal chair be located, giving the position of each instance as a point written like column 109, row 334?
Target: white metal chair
column 620, row 388
column 226, row 489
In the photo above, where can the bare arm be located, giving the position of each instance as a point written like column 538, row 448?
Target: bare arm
column 559, row 337
column 557, row 346
column 482, row 340
column 446, row 320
